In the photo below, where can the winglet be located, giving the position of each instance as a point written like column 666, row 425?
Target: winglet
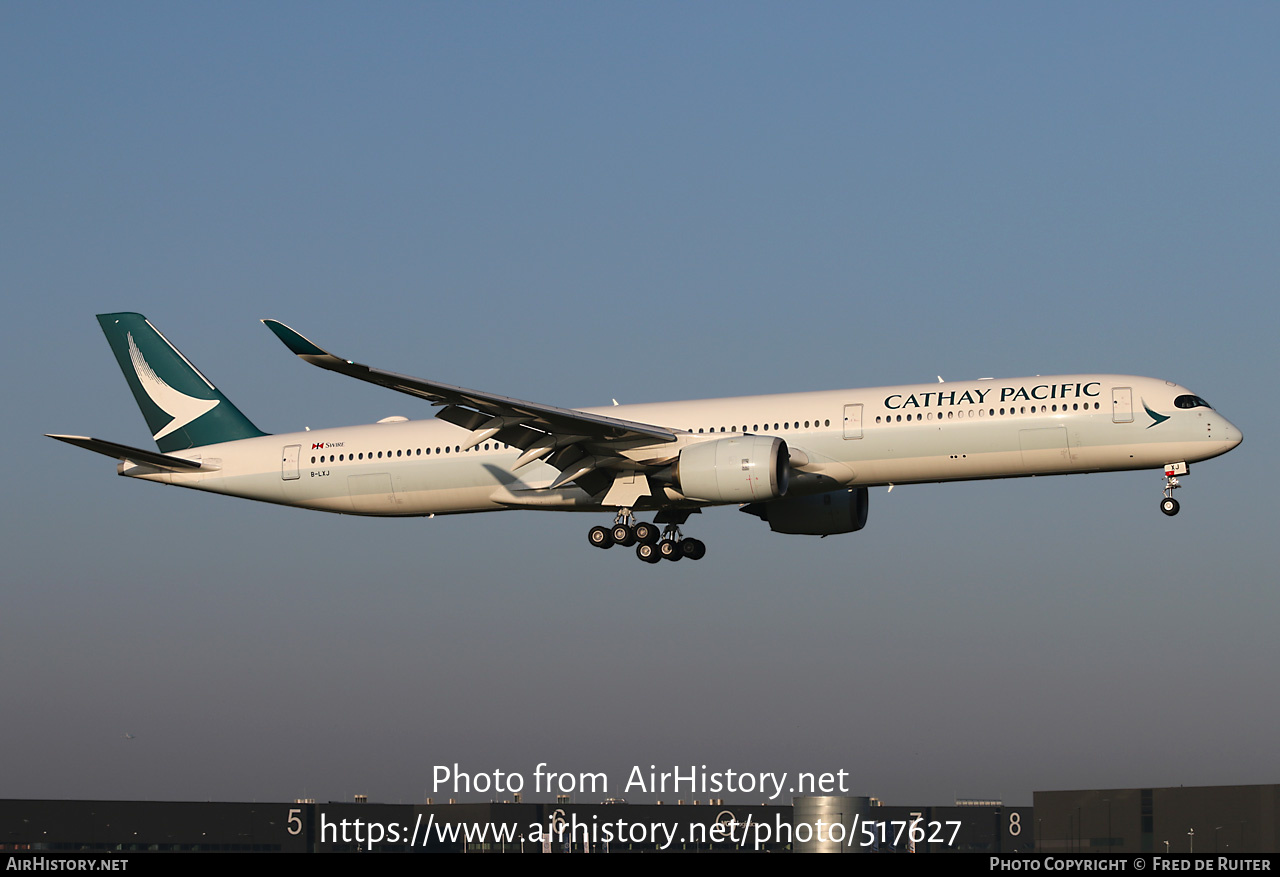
column 295, row 342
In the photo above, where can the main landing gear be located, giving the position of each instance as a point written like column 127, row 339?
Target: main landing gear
column 1169, row 505
column 650, row 546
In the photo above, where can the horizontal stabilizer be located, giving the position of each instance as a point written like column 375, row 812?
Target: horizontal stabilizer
column 131, row 455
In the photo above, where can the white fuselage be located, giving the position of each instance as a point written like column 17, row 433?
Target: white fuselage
column 957, row 431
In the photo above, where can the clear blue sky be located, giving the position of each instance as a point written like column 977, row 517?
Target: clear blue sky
column 576, row 202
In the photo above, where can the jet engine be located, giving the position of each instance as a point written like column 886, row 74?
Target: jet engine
column 822, row 514
column 737, row 469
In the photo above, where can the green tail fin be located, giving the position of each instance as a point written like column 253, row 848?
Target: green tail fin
column 182, row 409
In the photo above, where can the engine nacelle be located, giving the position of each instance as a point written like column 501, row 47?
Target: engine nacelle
column 739, row 469
column 823, row 514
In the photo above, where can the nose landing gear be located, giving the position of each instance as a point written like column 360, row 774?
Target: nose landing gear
column 1169, row 505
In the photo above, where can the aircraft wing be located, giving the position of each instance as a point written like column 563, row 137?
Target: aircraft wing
column 575, row 442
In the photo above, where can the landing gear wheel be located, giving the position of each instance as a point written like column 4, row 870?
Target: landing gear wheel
column 600, row 537
column 694, row 549
column 646, row 533
column 669, row 549
column 1169, row 505
column 648, row 553
column 623, row 535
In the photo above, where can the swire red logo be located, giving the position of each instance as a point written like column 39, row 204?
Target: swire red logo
column 315, row 446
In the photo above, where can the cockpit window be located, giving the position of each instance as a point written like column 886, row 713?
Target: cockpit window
column 1191, row 402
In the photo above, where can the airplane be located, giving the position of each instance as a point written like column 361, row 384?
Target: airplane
column 801, row 462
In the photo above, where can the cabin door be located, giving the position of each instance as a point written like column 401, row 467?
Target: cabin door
column 1122, row 405
column 289, row 462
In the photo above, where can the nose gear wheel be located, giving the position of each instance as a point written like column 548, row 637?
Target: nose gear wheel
column 1169, row 505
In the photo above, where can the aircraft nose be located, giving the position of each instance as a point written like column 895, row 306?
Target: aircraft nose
column 1231, row 434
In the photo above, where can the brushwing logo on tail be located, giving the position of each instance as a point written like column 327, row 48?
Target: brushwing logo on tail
column 181, row 407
